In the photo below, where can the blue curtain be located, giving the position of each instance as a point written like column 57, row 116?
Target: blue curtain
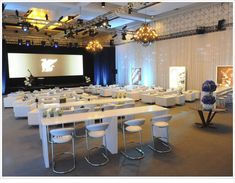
column 4, row 69
column 104, row 67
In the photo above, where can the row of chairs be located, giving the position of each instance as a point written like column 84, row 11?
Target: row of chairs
column 65, row 135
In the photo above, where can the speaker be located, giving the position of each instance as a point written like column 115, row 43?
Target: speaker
column 221, row 24
column 201, row 30
column 116, row 71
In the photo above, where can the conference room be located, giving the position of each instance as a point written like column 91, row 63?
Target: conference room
column 117, row 89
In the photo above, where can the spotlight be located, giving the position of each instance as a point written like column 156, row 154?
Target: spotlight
column 27, row 13
column 111, row 42
column 124, row 27
column 20, row 42
column 115, row 35
column 25, row 26
column 103, row 4
column 36, row 28
column 4, row 25
column 43, row 43
column 70, row 45
column 60, row 18
column 123, row 36
column 3, row 7
column 46, row 16
column 56, row 45
column 17, row 13
column 27, row 43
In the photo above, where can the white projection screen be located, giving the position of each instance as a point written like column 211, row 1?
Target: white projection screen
column 44, row 65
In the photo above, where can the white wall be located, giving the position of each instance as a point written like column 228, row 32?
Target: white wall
column 199, row 53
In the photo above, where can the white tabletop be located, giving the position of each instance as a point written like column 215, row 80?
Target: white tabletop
column 102, row 114
column 87, row 103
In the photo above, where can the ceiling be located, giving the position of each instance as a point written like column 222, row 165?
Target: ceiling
column 87, row 17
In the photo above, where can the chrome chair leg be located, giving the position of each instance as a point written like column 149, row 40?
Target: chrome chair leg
column 105, row 156
column 54, row 157
column 139, row 150
column 163, row 143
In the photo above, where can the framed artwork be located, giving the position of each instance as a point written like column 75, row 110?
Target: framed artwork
column 177, row 78
column 136, row 76
column 224, row 75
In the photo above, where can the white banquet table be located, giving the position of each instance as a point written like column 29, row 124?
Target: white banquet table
column 107, row 116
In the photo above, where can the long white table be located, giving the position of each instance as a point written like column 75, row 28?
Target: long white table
column 107, row 116
column 34, row 116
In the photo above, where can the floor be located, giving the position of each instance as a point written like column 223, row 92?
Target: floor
column 196, row 151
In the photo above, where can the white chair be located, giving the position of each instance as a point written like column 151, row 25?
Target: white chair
column 159, row 123
column 61, row 136
column 133, row 126
column 97, row 131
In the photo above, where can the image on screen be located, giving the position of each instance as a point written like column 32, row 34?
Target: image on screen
column 44, row 65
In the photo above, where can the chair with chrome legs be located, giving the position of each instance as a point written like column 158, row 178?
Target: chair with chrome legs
column 97, row 131
column 133, row 126
column 61, row 136
column 160, row 133
column 79, row 110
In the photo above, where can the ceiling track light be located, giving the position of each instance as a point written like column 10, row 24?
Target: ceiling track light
column 60, row 18
column 102, row 4
column 123, row 36
column 43, row 43
column 27, row 43
column 20, row 42
column 17, row 13
column 27, row 13
column 124, row 27
column 55, row 45
column 115, row 35
column 46, row 16
column 3, row 7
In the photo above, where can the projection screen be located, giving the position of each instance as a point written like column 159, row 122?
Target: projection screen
column 43, row 65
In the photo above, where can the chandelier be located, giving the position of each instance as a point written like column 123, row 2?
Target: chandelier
column 94, row 46
column 145, row 35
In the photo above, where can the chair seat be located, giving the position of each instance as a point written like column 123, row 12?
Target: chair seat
column 160, row 124
column 96, row 134
column 133, row 128
column 62, row 139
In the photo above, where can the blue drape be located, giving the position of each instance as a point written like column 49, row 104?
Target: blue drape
column 104, row 67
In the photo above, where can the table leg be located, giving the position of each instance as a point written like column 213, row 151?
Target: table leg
column 202, row 118
column 112, row 135
column 45, row 145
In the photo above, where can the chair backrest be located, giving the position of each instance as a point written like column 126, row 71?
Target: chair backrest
column 97, row 127
column 135, row 122
column 81, row 110
column 62, row 132
column 107, row 107
column 164, row 118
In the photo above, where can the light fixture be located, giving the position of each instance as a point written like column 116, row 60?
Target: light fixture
column 25, row 26
column 103, row 4
column 94, row 46
column 124, row 36
column 17, row 13
column 111, row 42
column 27, row 43
column 115, row 35
column 37, row 17
column 43, row 43
column 60, row 18
column 145, row 35
column 20, row 42
column 56, row 45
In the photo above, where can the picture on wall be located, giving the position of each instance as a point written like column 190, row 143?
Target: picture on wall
column 224, row 76
column 136, row 76
column 177, row 77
